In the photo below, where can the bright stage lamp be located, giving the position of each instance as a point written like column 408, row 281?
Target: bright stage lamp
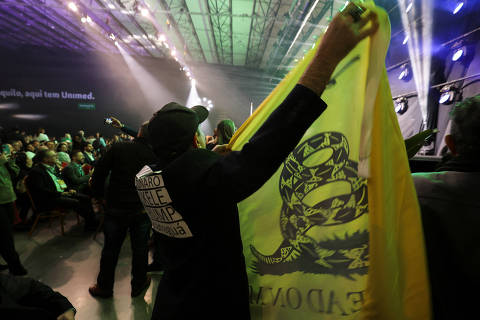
column 406, row 73
column 83, row 19
column 111, row 6
column 89, row 20
column 448, row 94
column 144, row 12
column 405, row 40
column 401, row 105
column 458, row 7
column 457, row 54
column 72, row 6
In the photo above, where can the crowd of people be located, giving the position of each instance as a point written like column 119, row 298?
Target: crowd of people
column 85, row 175
column 159, row 181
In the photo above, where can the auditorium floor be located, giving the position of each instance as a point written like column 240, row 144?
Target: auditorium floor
column 70, row 263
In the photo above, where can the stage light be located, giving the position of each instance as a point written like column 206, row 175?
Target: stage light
column 116, row 43
column 405, row 40
column 458, row 54
column 401, row 105
column 125, row 12
column 409, row 7
column 406, row 73
column 194, row 82
column 449, row 94
column 173, row 52
column 162, row 37
column 111, row 6
column 144, row 12
column 144, row 37
column 112, row 36
column 72, row 6
column 458, row 7
column 188, row 74
column 83, row 19
column 89, row 20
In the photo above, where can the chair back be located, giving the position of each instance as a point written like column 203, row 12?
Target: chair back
column 34, row 208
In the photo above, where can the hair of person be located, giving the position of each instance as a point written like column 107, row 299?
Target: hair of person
column 40, row 156
column 75, row 152
column 21, row 160
column 225, row 130
column 59, row 145
column 466, row 127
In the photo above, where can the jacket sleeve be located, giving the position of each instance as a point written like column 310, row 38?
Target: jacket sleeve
column 129, row 131
column 36, row 184
column 72, row 178
column 32, row 293
column 13, row 168
column 100, row 174
column 239, row 174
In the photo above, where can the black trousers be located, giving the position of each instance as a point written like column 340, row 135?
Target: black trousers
column 7, row 246
column 115, row 228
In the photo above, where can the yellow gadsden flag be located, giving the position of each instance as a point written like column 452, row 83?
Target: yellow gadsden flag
column 336, row 232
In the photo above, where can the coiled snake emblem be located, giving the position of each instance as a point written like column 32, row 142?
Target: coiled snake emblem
column 343, row 255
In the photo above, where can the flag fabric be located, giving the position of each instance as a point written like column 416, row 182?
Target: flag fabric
column 336, row 232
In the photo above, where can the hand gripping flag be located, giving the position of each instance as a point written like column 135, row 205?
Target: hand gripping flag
column 336, row 232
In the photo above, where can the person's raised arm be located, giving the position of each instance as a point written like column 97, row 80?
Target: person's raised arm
column 343, row 34
column 244, row 172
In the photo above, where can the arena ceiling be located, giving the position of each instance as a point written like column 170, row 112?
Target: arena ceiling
column 249, row 39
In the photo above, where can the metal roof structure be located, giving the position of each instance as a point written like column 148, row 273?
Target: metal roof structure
column 250, row 39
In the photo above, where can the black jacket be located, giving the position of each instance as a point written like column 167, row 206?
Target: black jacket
column 122, row 161
column 450, row 205
column 73, row 179
column 208, row 269
column 41, row 187
column 26, row 298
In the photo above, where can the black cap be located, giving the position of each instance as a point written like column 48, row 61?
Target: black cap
column 171, row 129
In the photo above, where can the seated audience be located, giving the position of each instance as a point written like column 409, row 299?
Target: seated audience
column 77, row 143
column 30, row 150
column 42, row 137
column 26, row 298
column 74, row 175
column 450, row 205
column 49, row 191
column 89, row 154
column 50, row 145
column 62, row 153
column 17, row 146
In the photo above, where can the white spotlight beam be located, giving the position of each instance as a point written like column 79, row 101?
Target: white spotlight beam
column 154, row 92
column 419, row 47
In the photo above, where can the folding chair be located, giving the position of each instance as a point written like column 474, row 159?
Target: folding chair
column 47, row 214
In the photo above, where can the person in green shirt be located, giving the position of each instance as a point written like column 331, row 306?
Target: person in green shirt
column 8, row 168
